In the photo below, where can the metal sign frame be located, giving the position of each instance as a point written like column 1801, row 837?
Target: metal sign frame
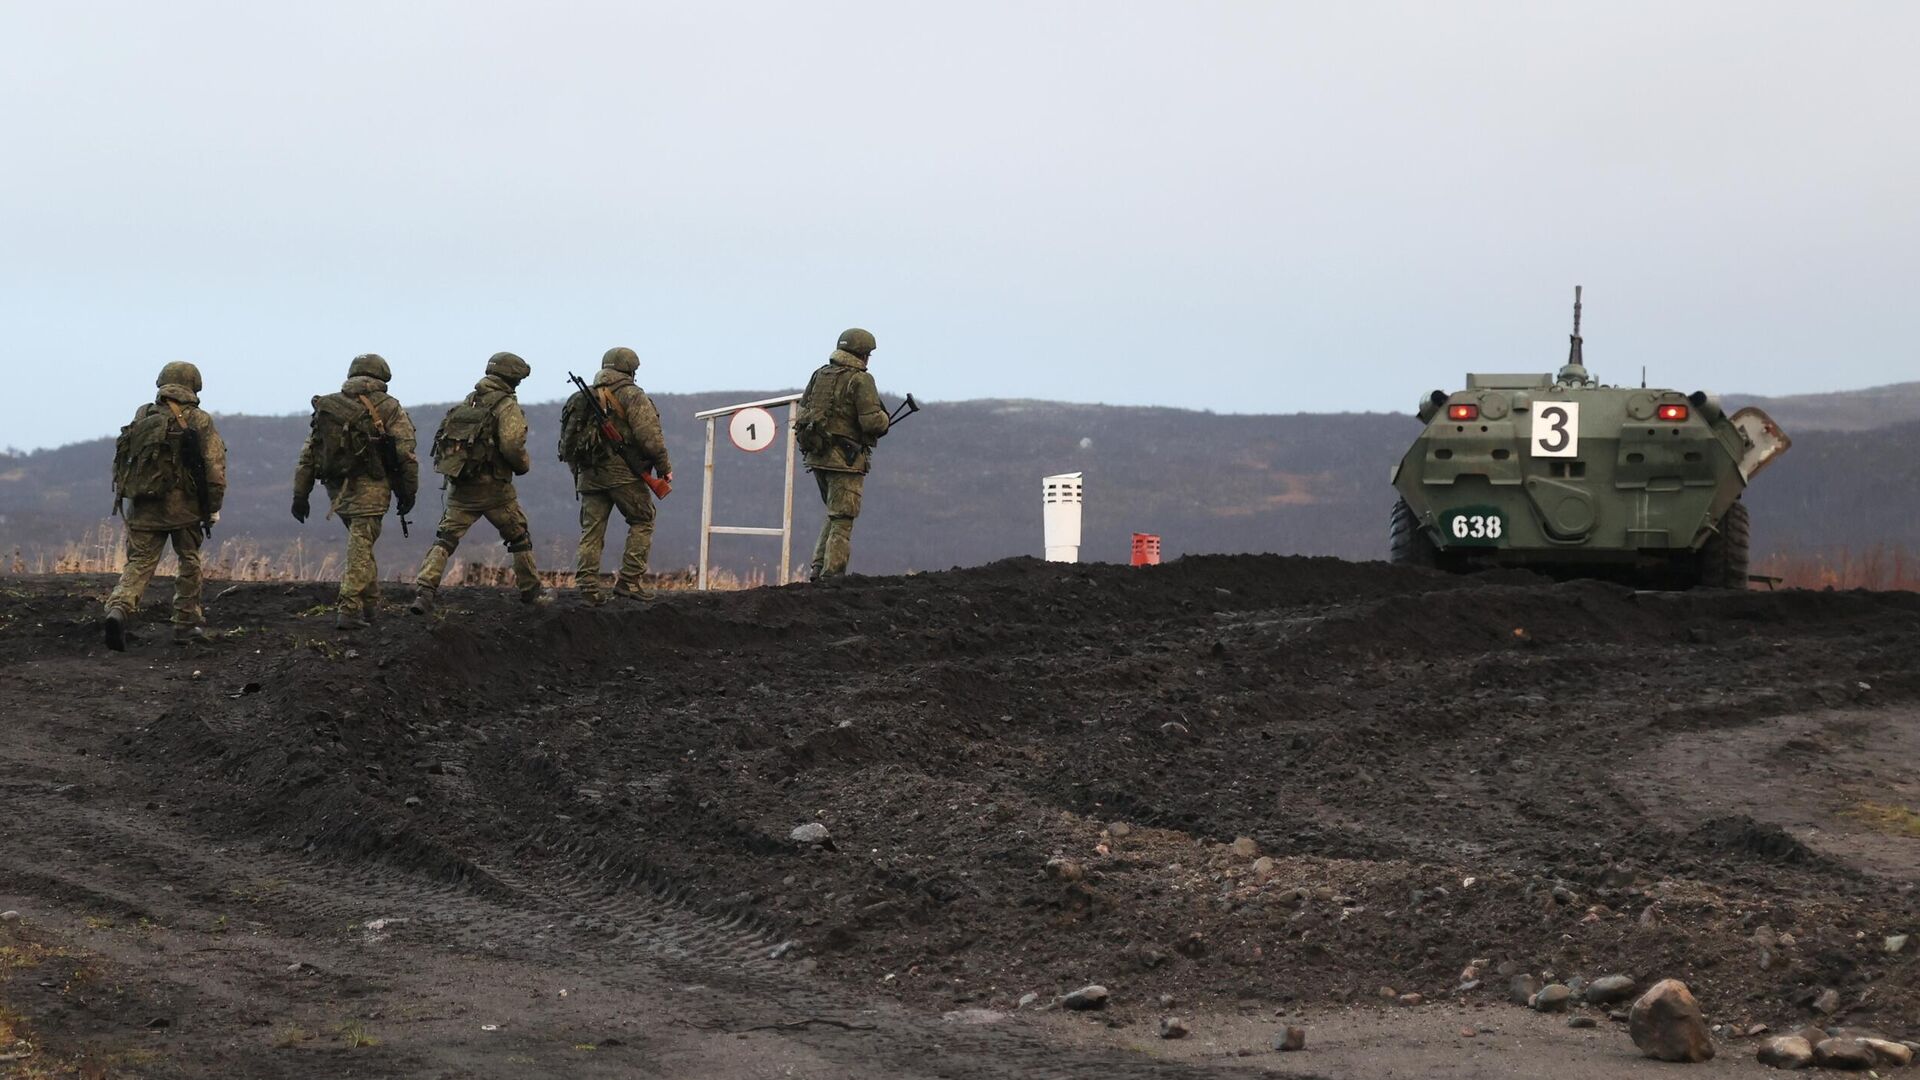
column 785, row 532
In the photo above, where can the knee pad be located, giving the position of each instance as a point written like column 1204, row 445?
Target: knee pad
column 518, row 544
column 445, row 543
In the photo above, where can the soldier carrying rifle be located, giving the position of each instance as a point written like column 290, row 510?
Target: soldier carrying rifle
column 610, row 437
column 361, row 447
column 841, row 418
column 169, row 478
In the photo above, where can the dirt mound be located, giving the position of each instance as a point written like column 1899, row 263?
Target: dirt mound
column 1034, row 775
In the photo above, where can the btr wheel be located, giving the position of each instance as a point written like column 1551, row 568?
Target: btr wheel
column 1724, row 558
column 1407, row 543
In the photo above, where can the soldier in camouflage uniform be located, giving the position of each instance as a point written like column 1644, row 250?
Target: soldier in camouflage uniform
column 150, row 470
column 480, row 479
column 840, row 419
column 342, row 452
column 604, row 481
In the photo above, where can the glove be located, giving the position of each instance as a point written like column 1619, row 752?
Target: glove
column 301, row 508
column 405, row 503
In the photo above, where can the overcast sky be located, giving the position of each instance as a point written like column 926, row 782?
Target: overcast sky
column 1236, row 206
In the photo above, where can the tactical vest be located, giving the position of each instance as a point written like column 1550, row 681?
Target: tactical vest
column 826, row 411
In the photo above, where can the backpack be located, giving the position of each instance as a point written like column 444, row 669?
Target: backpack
column 343, row 440
column 146, row 458
column 810, row 429
column 468, row 442
column 582, row 446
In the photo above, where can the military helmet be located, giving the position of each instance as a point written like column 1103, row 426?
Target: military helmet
column 857, row 341
column 621, row 359
column 372, row 365
column 508, row 366
column 179, row 373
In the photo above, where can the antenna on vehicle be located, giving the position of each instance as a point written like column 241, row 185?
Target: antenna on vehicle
column 1575, row 371
column 1643, row 376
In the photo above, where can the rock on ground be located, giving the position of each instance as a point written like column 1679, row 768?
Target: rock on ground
column 1521, row 989
column 974, row 1016
column 1786, row 1052
column 1291, row 1038
column 1553, row 998
column 1666, row 1024
column 1849, row 1054
column 811, row 833
column 1172, row 1027
column 1087, row 997
column 1890, row 1054
column 1608, row 989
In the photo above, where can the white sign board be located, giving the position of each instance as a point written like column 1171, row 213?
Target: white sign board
column 752, row 430
column 1556, row 429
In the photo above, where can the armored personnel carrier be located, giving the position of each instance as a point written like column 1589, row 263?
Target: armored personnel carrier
column 1562, row 474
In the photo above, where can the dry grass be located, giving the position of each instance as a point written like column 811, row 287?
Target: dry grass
column 1878, row 567
column 355, row 1035
column 103, row 550
column 1886, row 817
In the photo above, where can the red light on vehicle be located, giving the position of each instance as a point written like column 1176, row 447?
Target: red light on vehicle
column 1463, row 412
column 1673, row 412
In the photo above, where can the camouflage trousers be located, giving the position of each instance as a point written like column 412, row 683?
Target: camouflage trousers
column 360, row 583
column 635, row 504
column 507, row 517
column 840, row 491
column 144, row 549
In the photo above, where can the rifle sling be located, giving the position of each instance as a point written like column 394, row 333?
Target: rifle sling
column 379, row 428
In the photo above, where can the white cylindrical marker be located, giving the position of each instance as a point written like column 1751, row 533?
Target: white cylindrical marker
column 1061, row 501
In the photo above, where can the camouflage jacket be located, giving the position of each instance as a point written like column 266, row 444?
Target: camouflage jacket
column 639, row 423
column 496, row 486
column 367, row 496
column 181, row 507
column 849, row 405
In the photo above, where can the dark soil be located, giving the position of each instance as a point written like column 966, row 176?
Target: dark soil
column 1032, row 775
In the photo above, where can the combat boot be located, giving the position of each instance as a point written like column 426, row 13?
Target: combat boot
column 115, row 627
column 423, row 601
column 638, row 590
column 350, row 622
column 537, row 595
column 189, row 635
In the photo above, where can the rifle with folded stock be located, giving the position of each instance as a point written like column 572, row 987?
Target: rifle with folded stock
column 628, row 452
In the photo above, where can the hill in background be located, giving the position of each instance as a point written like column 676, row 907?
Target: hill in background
column 959, row 484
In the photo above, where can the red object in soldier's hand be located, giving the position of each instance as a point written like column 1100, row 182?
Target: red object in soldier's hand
column 660, row 488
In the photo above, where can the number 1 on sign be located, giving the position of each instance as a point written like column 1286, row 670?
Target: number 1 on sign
column 752, row 430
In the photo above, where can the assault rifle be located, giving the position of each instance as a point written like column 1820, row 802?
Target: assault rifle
column 194, row 456
column 396, row 474
column 907, row 408
column 628, row 452
column 389, row 451
column 850, row 448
